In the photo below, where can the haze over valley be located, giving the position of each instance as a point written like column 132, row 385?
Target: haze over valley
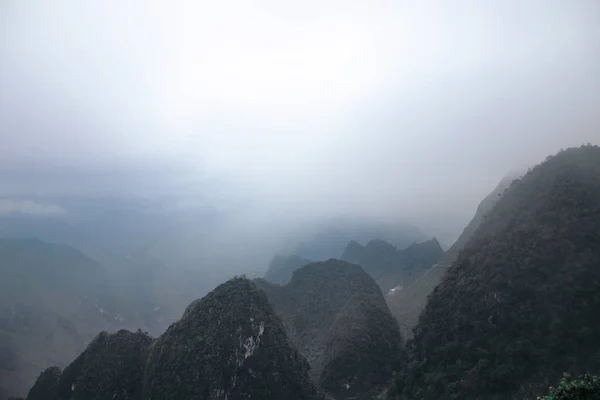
column 321, row 200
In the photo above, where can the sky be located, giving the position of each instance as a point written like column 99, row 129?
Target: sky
column 409, row 110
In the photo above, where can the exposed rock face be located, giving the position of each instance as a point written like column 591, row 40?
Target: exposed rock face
column 228, row 345
column 336, row 315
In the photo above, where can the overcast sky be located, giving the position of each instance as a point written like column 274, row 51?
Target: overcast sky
column 401, row 109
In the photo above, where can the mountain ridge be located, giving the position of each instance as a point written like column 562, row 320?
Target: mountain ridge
column 518, row 307
column 336, row 315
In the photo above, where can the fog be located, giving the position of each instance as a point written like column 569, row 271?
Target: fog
column 275, row 113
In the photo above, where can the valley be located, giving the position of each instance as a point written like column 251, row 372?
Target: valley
column 402, row 323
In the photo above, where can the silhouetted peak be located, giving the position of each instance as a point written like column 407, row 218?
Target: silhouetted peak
column 432, row 245
column 519, row 304
column 380, row 245
column 338, row 319
column 228, row 345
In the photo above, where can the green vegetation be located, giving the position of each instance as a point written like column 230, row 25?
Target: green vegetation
column 584, row 387
column 407, row 303
column 337, row 317
column 521, row 302
column 518, row 305
column 46, row 385
column 228, row 345
column 110, row 368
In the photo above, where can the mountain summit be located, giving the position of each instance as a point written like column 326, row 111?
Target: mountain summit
column 520, row 304
column 337, row 317
column 229, row 345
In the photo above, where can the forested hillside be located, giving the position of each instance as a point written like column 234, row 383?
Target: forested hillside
column 111, row 367
column 407, row 303
column 228, row 345
column 520, row 304
column 335, row 314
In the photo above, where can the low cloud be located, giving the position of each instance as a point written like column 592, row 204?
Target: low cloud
column 10, row 206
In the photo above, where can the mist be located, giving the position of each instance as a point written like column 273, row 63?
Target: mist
column 269, row 116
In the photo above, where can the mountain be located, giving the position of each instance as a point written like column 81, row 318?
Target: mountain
column 46, row 385
column 519, row 306
column 483, row 209
column 228, row 345
column 111, row 367
column 407, row 302
column 336, row 315
column 331, row 237
column 53, row 301
column 281, row 268
column 391, row 267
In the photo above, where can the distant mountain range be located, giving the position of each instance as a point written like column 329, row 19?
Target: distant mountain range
column 332, row 237
column 392, row 267
column 502, row 315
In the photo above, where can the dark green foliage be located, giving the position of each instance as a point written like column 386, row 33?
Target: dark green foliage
column 110, row 368
column 45, row 387
column 391, row 267
column 521, row 302
column 228, row 345
column 585, row 387
column 337, row 317
column 281, row 268
column 406, row 304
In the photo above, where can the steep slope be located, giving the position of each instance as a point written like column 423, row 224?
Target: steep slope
column 483, row 209
column 46, row 385
column 111, row 367
column 391, row 267
column 337, row 317
column 228, row 345
column 281, row 268
column 53, row 300
column 407, row 302
column 520, row 304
